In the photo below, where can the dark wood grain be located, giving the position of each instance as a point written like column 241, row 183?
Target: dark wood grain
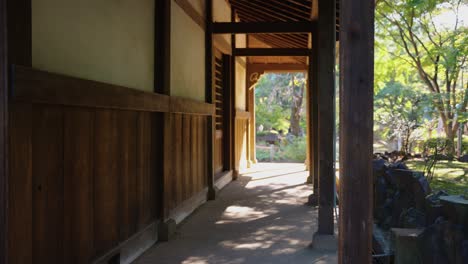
column 19, row 32
column 78, row 185
column 20, row 235
column 356, row 135
column 47, row 154
column 326, row 115
column 106, row 184
column 128, row 206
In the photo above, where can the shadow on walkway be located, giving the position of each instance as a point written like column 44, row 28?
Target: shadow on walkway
column 260, row 218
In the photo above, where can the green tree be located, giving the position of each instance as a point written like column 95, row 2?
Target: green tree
column 437, row 52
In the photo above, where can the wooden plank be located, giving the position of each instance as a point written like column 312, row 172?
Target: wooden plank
column 356, row 130
column 20, row 232
column 167, row 167
column 36, row 86
column 4, row 189
column 326, row 115
column 186, row 161
column 106, row 184
column 78, row 185
column 128, row 205
column 242, row 52
column 177, row 158
column 48, row 196
column 262, row 27
column 187, row 106
column 193, row 154
column 144, row 170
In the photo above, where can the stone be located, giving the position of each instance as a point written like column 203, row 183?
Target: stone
column 407, row 245
column 455, row 209
column 167, row 230
column 324, row 242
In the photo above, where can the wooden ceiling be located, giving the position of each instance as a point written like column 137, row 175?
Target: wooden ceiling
column 277, row 10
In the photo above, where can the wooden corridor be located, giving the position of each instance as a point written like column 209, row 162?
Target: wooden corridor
column 260, row 218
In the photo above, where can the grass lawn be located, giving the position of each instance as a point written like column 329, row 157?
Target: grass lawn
column 451, row 176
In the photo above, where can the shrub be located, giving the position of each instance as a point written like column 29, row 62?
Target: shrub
column 295, row 150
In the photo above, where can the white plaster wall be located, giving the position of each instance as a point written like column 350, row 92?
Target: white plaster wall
column 106, row 40
column 187, row 56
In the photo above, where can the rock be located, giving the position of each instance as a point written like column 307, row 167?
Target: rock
column 463, row 158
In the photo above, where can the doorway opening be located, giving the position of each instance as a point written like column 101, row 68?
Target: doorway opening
column 280, row 118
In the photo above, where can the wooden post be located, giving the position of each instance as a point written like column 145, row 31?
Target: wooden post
column 3, row 134
column 162, row 85
column 326, row 116
column 209, row 98
column 252, row 125
column 235, row 171
column 227, row 113
column 356, row 135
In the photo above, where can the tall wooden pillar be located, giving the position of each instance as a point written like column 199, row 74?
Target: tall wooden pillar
column 326, row 115
column 356, row 135
column 3, row 133
column 313, row 112
column 209, row 98
column 235, row 171
column 252, row 125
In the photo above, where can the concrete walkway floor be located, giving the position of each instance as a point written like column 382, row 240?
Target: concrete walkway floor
column 260, row 218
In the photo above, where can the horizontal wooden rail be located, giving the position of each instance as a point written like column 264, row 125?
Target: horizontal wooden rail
column 263, row 27
column 271, row 52
column 35, row 86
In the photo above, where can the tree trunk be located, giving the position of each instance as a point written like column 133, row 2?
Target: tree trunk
column 296, row 105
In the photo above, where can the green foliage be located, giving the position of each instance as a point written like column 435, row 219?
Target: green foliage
column 295, row 150
column 263, row 155
column 423, row 44
column 274, row 97
column 440, row 145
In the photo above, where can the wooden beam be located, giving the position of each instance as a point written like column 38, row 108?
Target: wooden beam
column 162, row 47
column 326, row 115
column 356, row 132
column 241, row 52
column 262, row 27
column 30, row 85
column 3, row 134
column 277, row 67
column 235, row 173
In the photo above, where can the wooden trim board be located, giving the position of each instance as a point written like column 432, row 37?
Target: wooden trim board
column 30, row 85
column 187, row 207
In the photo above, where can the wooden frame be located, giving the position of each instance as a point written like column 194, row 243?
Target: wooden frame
column 262, row 27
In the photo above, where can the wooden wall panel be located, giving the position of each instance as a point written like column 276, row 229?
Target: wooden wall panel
column 20, row 235
column 47, row 153
column 84, row 179
column 106, row 184
column 185, row 175
column 78, row 185
column 128, row 204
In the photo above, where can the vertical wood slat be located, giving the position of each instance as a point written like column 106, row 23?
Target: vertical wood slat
column 194, row 148
column 177, row 158
column 47, row 153
column 145, row 173
column 20, row 233
column 187, row 159
column 128, row 204
column 106, row 211
column 78, row 185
